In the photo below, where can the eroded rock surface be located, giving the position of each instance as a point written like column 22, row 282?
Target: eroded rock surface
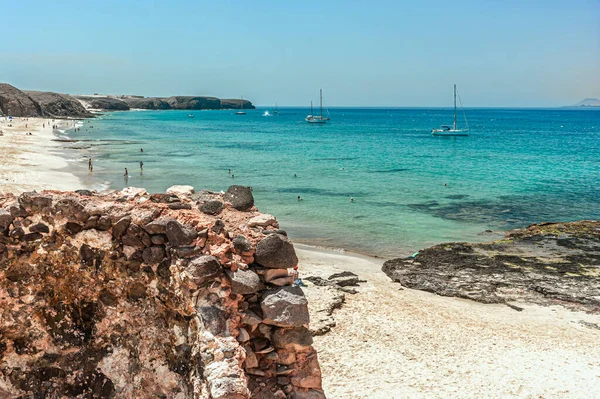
column 117, row 295
column 550, row 263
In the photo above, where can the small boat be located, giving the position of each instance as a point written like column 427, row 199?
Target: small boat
column 320, row 119
column 276, row 110
column 241, row 112
column 190, row 115
column 266, row 113
column 446, row 130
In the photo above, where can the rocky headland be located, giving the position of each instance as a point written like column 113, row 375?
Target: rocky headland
column 546, row 264
column 18, row 103
column 134, row 295
column 14, row 102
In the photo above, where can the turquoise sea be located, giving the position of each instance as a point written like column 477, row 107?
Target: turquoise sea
column 410, row 189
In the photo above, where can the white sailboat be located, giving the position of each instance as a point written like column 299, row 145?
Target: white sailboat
column 241, row 112
column 317, row 118
column 446, row 130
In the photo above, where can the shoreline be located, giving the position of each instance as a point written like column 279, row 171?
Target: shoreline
column 34, row 162
column 389, row 341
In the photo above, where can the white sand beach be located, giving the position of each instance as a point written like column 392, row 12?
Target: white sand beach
column 397, row 343
column 30, row 162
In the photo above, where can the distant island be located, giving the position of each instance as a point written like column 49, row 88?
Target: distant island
column 587, row 102
column 22, row 103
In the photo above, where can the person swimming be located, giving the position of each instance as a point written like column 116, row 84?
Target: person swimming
column 299, row 198
column 141, row 150
column 351, row 199
column 295, row 175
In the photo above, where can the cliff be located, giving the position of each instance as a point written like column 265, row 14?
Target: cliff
column 236, row 104
column 57, row 105
column 14, row 102
column 103, row 103
column 190, row 102
column 146, row 103
column 550, row 263
column 135, row 295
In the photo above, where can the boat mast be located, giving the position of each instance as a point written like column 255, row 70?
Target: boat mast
column 321, row 101
column 454, row 107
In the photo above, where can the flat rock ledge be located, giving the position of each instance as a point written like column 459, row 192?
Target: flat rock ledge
column 546, row 264
column 126, row 294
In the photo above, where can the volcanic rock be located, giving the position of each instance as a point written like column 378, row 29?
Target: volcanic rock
column 276, row 251
column 285, row 307
column 240, row 197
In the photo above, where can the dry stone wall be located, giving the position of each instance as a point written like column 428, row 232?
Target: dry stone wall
column 126, row 294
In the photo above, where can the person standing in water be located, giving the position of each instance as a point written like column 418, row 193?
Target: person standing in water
column 141, row 165
column 90, row 164
column 126, row 175
column 228, row 171
column 141, row 150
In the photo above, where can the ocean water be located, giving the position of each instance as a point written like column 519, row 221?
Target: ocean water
column 410, row 189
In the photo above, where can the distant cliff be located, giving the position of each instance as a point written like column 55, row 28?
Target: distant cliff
column 15, row 102
column 186, row 102
column 58, row 105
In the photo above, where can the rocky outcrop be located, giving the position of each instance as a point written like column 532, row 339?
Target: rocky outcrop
column 146, row 103
column 192, row 102
column 236, row 104
column 103, row 103
column 118, row 295
column 13, row 102
column 57, row 105
column 550, row 263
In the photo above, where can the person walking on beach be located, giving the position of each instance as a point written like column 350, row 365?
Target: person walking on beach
column 141, row 165
column 126, row 175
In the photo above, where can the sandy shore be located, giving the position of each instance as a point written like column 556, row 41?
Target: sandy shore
column 31, row 162
column 391, row 342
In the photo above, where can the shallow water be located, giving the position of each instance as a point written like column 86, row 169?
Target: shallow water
column 410, row 189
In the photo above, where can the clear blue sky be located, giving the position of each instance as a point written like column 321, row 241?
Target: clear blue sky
column 371, row 53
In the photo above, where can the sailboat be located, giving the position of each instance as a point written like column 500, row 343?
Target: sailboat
column 446, row 130
column 276, row 109
column 319, row 118
column 241, row 112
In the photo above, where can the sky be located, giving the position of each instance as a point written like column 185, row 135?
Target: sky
column 503, row 53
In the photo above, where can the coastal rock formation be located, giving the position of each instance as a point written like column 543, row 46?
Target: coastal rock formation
column 147, row 103
column 549, row 263
column 103, row 103
column 58, row 105
column 192, row 102
column 236, row 104
column 13, row 102
column 118, row 295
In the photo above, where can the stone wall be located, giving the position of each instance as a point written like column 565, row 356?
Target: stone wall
column 127, row 294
